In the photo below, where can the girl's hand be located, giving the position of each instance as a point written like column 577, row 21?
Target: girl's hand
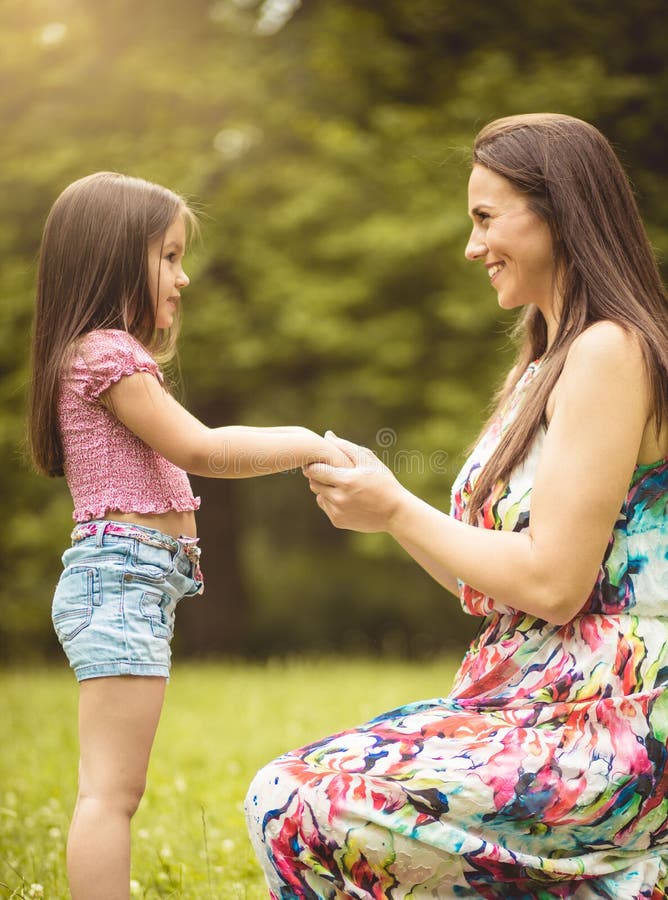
column 363, row 497
column 332, row 455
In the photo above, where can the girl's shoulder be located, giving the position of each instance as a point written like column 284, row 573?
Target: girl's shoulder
column 108, row 346
column 103, row 356
column 112, row 338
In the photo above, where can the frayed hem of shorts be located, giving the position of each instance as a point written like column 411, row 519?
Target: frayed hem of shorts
column 120, row 667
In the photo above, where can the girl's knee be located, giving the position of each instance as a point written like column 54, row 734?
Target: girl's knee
column 124, row 802
column 130, row 798
column 120, row 796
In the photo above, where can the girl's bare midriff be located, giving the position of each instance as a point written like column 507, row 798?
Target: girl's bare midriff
column 173, row 523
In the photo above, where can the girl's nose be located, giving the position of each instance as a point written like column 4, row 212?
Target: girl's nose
column 182, row 279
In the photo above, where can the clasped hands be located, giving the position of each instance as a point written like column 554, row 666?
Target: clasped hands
column 360, row 494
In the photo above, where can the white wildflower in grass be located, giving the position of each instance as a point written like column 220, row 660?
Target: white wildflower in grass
column 135, row 888
column 143, row 833
column 180, row 784
column 165, row 851
column 36, row 890
column 228, row 845
column 52, row 34
column 54, row 832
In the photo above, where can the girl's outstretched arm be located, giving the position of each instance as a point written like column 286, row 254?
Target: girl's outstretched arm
column 602, row 406
column 232, row 451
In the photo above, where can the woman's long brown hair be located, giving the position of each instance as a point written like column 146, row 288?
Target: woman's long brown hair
column 573, row 180
column 93, row 273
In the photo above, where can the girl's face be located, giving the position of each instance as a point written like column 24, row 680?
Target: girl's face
column 165, row 272
column 514, row 244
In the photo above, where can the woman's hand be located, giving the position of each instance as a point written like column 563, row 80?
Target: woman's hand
column 363, row 497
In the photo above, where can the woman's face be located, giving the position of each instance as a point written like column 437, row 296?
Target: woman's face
column 514, row 244
column 165, row 272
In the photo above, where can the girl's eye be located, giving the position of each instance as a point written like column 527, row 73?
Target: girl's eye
column 171, row 257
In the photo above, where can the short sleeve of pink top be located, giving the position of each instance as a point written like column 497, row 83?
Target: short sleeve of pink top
column 107, row 467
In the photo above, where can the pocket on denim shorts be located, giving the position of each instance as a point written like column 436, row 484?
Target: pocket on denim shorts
column 78, row 591
column 153, row 607
column 150, row 564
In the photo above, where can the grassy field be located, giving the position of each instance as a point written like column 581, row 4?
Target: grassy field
column 220, row 724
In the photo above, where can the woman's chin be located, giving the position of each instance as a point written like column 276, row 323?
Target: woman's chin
column 508, row 301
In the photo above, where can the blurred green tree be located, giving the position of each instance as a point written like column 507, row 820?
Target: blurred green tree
column 328, row 150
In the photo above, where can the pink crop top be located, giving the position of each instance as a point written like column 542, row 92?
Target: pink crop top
column 107, row 466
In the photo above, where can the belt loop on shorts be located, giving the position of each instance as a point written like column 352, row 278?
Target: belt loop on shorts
column 100, row 529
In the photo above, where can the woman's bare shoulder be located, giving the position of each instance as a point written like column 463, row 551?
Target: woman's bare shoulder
column 606, row 343
column 606, row 363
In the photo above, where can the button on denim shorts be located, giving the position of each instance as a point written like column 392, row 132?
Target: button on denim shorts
column 113, row 609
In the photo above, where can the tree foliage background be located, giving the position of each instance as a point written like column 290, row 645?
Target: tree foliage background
column 326, row 145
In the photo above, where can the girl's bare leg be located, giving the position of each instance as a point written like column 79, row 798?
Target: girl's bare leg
column 118, row 717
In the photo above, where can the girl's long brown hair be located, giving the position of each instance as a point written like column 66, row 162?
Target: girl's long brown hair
column 573, row 180
column 93, row 273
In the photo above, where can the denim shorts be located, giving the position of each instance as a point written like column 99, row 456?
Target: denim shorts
column 113, row 609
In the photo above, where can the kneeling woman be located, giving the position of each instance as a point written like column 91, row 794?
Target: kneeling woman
column 544, row 772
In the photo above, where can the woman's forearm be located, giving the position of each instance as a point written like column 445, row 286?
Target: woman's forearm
column 501, row 564
column 433, row 567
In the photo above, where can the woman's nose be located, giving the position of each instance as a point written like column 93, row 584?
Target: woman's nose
column 476, row 247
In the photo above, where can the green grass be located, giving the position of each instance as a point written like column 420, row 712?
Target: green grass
column 221, row 722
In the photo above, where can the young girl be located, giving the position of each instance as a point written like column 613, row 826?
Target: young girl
column 108, row 300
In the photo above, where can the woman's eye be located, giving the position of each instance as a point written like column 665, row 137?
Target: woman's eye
column 482, row 216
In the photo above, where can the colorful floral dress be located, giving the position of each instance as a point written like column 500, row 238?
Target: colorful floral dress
column 543, row 774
